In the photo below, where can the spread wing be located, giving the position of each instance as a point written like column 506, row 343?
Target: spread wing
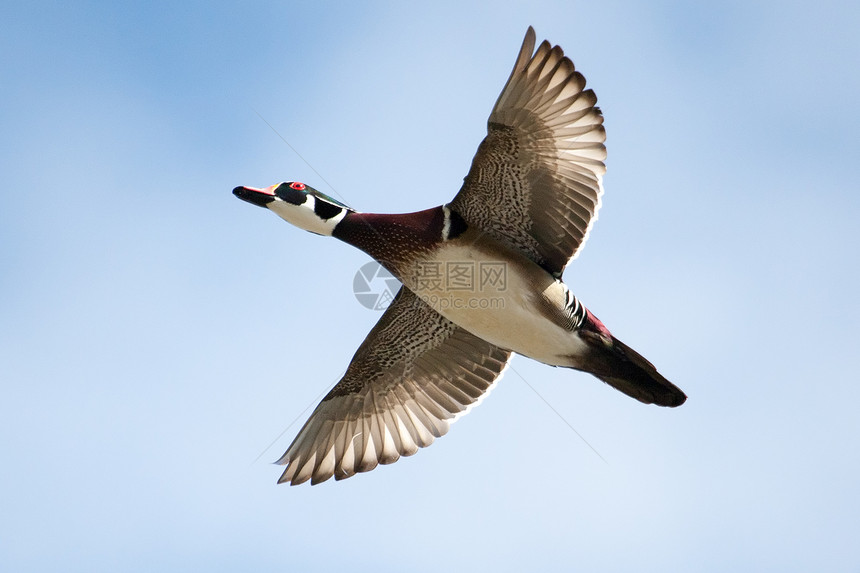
column 413, row 375
column 536, row 180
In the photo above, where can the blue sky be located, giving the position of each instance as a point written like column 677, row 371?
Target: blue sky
column 156, row 334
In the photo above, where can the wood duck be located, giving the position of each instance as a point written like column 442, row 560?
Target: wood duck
column 481, row 280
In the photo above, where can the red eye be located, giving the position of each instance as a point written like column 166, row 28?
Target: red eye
column 297, row 186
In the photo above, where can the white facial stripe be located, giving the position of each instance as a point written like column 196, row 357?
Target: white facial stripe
column 336, row 219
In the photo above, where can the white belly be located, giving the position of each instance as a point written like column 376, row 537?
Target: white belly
column 497, row 299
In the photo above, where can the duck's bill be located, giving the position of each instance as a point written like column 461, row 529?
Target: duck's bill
column 258, row 197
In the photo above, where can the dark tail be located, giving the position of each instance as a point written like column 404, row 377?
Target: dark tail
column 622, row 367
column 626, row 370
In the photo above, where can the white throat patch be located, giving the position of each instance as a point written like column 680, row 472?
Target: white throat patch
column 305, row 217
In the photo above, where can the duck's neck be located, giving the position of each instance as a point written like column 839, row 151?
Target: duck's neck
column 393, row 240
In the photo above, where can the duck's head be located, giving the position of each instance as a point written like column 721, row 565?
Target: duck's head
column 299, row 204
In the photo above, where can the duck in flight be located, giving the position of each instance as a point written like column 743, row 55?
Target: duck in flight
column 481, row 280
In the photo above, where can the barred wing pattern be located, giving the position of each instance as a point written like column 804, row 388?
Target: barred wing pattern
column 536, row 180
column 414, row 374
